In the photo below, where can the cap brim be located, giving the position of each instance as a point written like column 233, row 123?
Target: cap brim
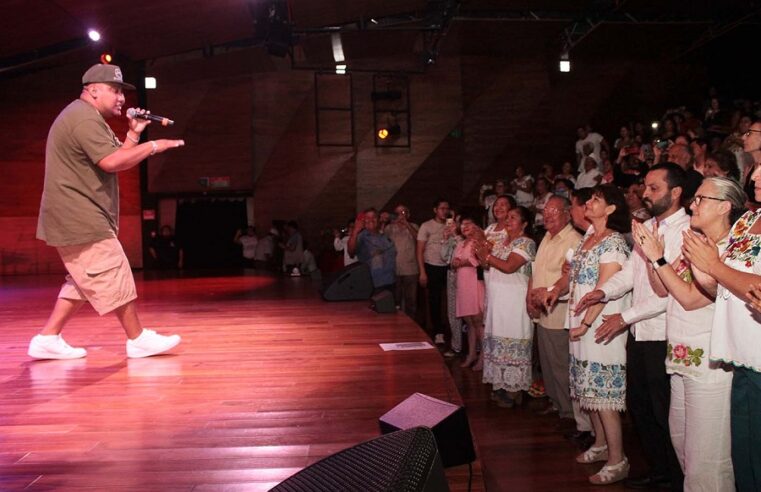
column 123, row 85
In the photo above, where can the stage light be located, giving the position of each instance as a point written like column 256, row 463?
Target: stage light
column 338, row 49
column 93, row 35
column 340, row 69
column 565, row 63
column 392, row 131
column 654, row 125
column 106, row 58
column 150, row 82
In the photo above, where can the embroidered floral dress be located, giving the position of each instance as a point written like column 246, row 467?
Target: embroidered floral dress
column 597, row 370
column 736, row 335
column 688, row 334
column 509, row 331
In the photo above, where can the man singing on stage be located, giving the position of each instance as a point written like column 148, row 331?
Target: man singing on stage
column 79, row 214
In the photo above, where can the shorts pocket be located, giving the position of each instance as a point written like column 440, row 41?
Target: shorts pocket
column 103, row 266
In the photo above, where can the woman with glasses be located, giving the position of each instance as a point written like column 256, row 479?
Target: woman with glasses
column 699, row 413
column 736, row 334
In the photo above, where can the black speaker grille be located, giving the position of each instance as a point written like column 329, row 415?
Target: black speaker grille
column 400, row 461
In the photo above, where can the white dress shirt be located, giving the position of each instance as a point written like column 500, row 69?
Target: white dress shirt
column 647, row 314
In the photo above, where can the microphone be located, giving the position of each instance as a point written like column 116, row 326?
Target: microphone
column 132, row 113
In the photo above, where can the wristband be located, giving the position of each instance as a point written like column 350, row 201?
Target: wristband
column 133, row 140
column 588, row 325
column 660, row 262
column 155, row 147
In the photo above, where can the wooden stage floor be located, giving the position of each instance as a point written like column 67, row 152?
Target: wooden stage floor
column 268, row 379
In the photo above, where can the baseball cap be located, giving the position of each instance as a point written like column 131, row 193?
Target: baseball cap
column 109, row 74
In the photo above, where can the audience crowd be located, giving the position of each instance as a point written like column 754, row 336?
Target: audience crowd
column 624, row 280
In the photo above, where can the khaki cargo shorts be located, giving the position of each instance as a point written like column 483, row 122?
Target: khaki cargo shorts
column 99, row 273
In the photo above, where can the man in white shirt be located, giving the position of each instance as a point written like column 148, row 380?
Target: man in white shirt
column 586, row 136
column 648, row 388
column 591, row 176
column 432, row 268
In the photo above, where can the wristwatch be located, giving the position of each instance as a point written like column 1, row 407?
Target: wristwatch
column 660, row 262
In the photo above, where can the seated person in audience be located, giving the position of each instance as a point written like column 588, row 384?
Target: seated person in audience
column 488, row 194
column 591, row 177
column 637, row 208
column 165, row 250
column 721, row 163
column 563, row 187
column 567, row 173
column 523, row 184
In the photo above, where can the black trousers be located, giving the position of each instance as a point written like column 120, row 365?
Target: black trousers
column 648, row 391
column 437, row 285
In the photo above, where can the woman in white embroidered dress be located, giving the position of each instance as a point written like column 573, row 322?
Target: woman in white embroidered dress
column 598, row 371
column 736, row 334
column 509, row 332
column 699, row 413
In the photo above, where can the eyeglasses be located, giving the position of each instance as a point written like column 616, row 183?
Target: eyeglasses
column 699, row 198
column 751, row 130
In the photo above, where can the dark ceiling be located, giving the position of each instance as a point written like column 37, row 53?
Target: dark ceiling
column 31, row 30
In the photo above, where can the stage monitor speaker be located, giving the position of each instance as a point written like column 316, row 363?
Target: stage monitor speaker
column 403, row 461
column 448, row 422
column 353, row 283
column 383, row 302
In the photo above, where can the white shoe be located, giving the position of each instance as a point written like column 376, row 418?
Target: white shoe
column 53, row 347
column 439, row 339
column 151, row 343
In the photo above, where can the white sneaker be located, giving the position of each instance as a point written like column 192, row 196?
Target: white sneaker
column 53, row 347
column 151, row 343
column 439, row 339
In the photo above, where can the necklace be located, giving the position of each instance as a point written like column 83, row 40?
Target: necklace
column 579, row 257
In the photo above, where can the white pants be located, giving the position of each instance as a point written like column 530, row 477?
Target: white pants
column 699, row 418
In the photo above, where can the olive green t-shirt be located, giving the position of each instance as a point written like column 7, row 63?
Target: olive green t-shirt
column 80, row 201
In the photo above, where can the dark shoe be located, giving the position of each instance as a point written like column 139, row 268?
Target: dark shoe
column 548, row 410
column 504, row 401
column 648, row 482
column 496, row 395
column 582, row 439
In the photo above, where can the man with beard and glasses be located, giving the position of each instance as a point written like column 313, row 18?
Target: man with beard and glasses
column 648, row 388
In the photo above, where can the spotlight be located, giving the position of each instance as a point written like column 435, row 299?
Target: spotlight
column 565, row 63
column 106, row 58
column 392, row 131
column 341, row 69
column 93, row 35
column 150, row 82
column 654, row 125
